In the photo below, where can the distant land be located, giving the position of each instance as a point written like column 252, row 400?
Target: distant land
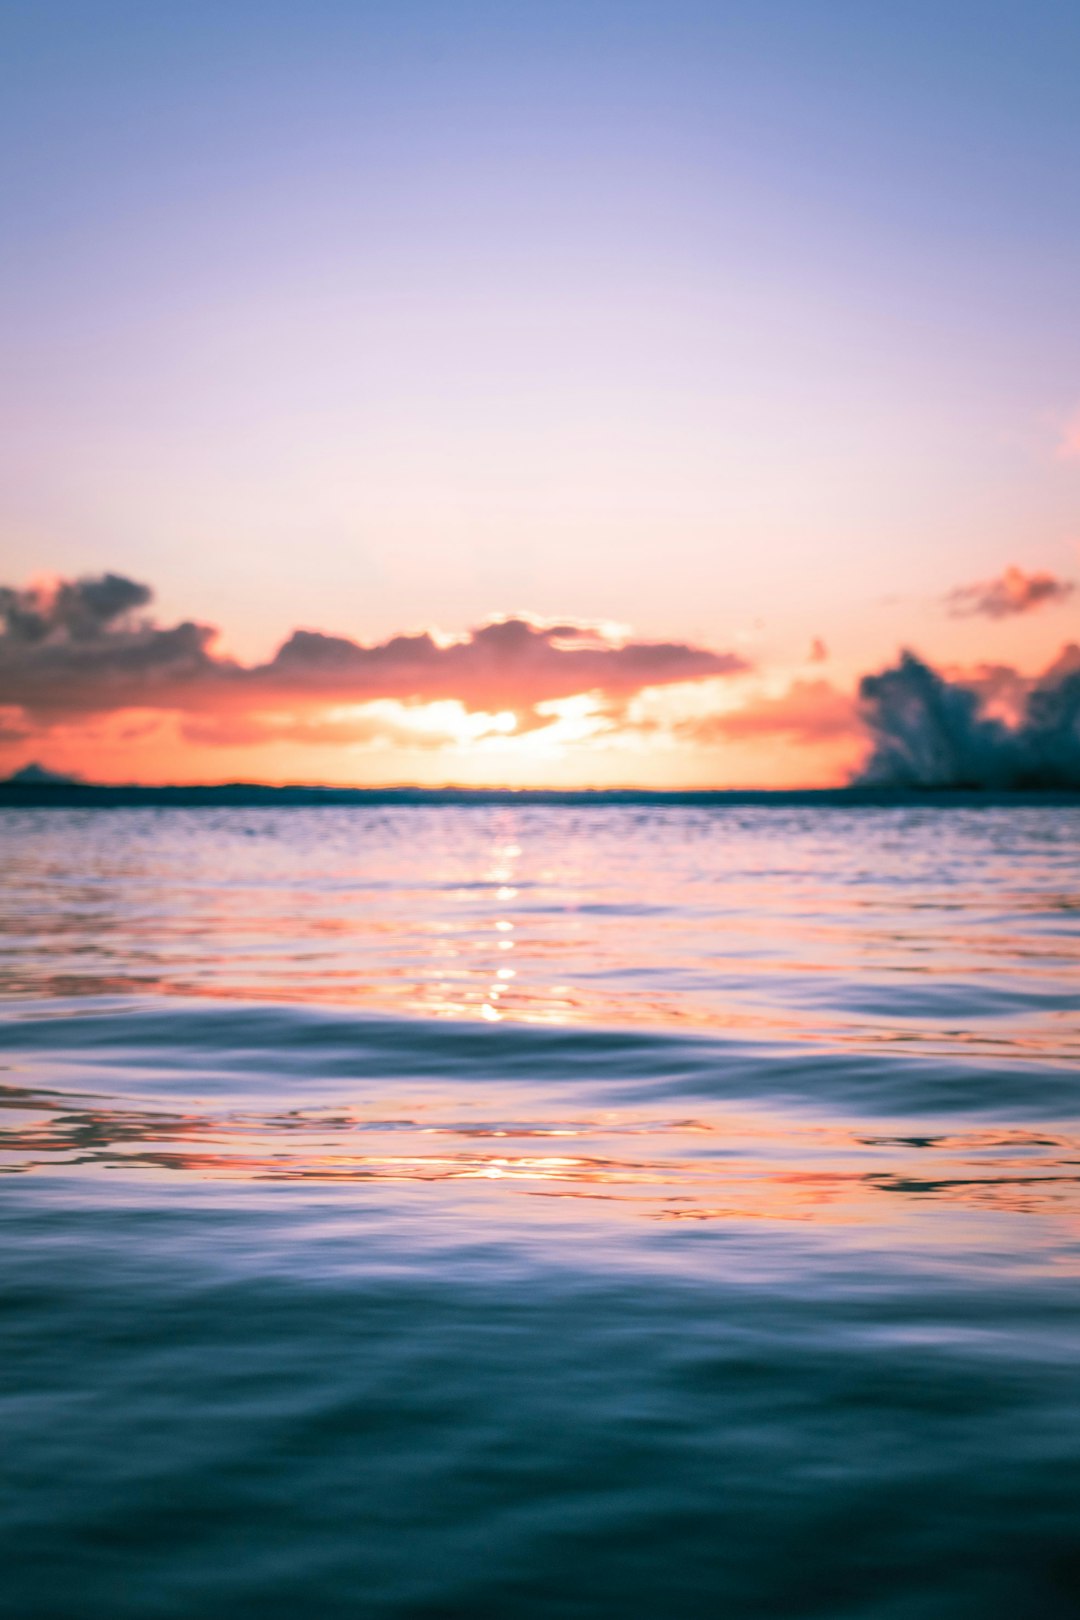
column 34, row 788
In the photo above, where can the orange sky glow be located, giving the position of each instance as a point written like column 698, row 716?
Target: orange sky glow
column 92, row 684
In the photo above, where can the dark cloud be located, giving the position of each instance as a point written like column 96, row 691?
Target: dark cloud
column 930, row 731
column 77, row 648
column 73, row 609
column 1011, row 593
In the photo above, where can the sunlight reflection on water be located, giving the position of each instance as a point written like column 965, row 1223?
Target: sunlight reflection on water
column 949, row 929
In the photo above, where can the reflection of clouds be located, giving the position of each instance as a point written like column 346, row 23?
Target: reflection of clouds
column 748, row 1164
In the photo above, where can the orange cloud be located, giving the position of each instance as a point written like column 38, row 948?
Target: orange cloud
column 1011, row 593
column 808, row 712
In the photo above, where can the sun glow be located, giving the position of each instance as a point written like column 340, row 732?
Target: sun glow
column 443, row 721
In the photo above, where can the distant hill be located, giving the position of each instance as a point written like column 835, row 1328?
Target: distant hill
column 38, row 776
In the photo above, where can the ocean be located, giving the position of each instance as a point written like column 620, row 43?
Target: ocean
column 498, row 1211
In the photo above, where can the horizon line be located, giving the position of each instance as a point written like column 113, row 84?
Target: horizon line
column 73, row 794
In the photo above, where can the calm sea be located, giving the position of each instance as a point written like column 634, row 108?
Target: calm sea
column 510, row 1212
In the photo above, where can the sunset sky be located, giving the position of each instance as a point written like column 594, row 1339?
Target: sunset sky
column 657, row 369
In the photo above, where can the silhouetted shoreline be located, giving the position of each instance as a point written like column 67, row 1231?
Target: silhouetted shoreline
column 254, row 795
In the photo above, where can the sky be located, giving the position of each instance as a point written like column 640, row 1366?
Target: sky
column 658, row 370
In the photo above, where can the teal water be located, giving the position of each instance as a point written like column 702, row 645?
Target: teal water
column 496, row 1212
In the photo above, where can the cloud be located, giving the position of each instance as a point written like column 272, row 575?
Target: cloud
column 808, row 712
column 1011, row 593
column 84, row 664
column 242, row 731
column 78, row 648
column 76, row 609
column 74, row 647
column 930, row 731
column 511, row 663
column 14, row 727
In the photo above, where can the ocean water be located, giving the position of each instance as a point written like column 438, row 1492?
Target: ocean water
column 509, row 1212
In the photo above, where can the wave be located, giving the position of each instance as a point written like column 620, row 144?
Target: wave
column 932, row 732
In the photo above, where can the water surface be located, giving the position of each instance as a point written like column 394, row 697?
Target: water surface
column 493, row 1211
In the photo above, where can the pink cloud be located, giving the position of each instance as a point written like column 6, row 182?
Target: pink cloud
column 1011, row 593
